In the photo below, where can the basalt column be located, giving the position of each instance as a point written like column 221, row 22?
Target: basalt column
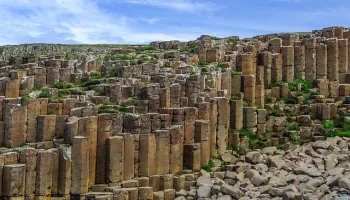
column 249, row 88
column 222, row 127
column 288, row 63
column 276, row 68
column 343, row 59
column 80, row 165
column 245, row 64
column 192, row 90
column 265, row 59
column 310, row 59
column 88, row 128
column 202, row 137
column 104, row 131
column 321, row 61
column 332, row 59
column 299, row 62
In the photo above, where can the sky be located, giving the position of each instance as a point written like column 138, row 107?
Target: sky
column 143, row 21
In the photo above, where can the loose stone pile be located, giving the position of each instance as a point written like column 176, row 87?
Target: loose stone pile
column 317, row 170
column 143, row 122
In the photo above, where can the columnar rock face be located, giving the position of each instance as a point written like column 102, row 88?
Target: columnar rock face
column 146, row 122
column 115, row 161
column 321, row 61
column 343, row 59
column 299, row 62
column 288, row 63
column 276, row 68
column 80, row 165
column 310, row 59
column 332, row 59
column 15, row 125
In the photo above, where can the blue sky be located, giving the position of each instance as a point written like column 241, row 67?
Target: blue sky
column 142, row 21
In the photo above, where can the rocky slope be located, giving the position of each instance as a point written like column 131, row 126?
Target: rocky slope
column 315, row 171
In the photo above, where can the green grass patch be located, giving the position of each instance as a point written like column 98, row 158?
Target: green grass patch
column 292, row 126
column 234, row 72
column 204, row 69
column 25, row 97
column 192, row 48
column 305, row 85
column 250, row 136
column 44, row 94
column 232, row 42
column 147, row 48
column 294, row 137
column 233, row 98
column 208, row 166
column 275, row 113
column 203, row 64
column 289, row 100
column 63, row 85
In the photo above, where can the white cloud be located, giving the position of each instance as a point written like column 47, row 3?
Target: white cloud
column 67, row 21
column 181, row 5
column 150, row 20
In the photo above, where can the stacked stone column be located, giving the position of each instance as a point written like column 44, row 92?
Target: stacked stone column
column 332, row 59
column 162, row 152
column 321, row 61
column 276, row 68
column 250, row 119
column 14, row 179
column 343, row 59
column 192, row 90
column 15, row 125
column 147, row 155
column 310, row 59
column 202, row 137
column 222, row 125
column 288, row 63
column 299, row 62
column 104, row 131
column 249, row 88
column 80, row 166
column 265, row 59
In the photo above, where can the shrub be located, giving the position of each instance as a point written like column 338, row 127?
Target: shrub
column 307, row 97
column 214, row 38
column 204, row 69
column 250, row 136
column 289, row 100
column 275, row 113
column 192, row 48
column 108, row 109
column 305, row 85
column 223, row 166
column 293, row 126
column 208, row 166
column 203, row 64
column 44, row 94
column 91, row 82
column 63, row 85
column 25, row 97
column 232, row 42
column 95, row 76
column 294, row 137
column 328, row 124
column 123, row 109
column 274, row 84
